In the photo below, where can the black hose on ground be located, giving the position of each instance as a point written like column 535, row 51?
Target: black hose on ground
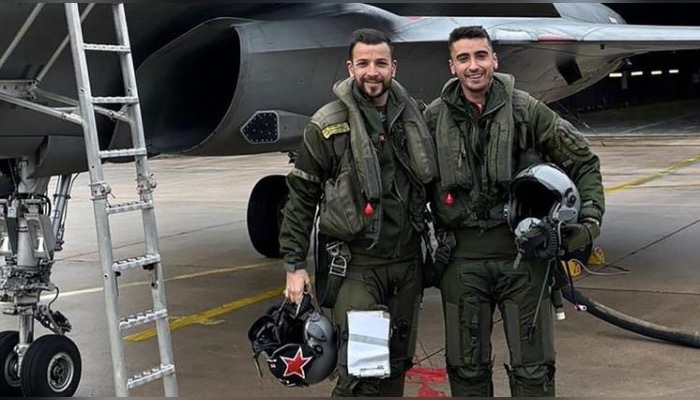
column 607, row 314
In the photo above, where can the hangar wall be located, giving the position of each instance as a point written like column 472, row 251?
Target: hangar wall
column 650, row 78
column 644, row 87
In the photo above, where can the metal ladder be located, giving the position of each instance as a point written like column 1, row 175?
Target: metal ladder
column 151, row 261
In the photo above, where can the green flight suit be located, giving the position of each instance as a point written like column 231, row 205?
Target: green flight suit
column 478, row 156
column 385, row 266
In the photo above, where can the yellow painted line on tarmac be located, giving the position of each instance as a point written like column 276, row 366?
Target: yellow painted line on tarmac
column 660, row 174
column 206, row 316
column 175, row 278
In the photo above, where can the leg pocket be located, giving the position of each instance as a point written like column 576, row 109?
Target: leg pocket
column 469, row 327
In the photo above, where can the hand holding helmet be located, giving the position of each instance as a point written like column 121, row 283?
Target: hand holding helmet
column 576, row 236
column 542, row 199
column 298, row 283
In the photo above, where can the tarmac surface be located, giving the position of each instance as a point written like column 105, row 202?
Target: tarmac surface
column 218, row 285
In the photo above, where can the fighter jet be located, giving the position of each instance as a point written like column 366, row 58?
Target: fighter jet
column 235, row 79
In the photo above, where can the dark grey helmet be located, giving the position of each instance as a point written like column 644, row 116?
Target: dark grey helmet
column 541, row 191
column 320, row 336
column 300, row 346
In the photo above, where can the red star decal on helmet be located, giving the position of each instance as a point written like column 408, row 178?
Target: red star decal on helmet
column 295, row 366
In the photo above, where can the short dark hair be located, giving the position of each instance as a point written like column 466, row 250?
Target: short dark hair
column 468, row 32
column 371, row 37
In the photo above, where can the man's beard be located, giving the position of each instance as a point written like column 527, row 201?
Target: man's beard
column 386, row 85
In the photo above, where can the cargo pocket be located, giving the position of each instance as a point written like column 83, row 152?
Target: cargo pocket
column 468, row 332
column 451, row 216
column 341, row 210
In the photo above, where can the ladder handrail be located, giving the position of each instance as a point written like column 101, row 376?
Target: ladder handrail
column 102, row 209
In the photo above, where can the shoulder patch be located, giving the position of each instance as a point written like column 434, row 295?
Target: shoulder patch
column 332, row 119
column 335, row 129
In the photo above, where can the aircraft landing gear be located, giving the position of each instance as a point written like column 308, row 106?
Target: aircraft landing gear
column 9, row 365
column 51, row 368
column 29, row 235
column 264, row 218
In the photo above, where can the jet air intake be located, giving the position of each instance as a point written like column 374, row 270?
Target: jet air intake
column 223, row 87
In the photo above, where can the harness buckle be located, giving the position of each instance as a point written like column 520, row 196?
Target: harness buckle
column 338, row 267
column 339, row 263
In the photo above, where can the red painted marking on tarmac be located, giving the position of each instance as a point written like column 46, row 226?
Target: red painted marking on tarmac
column 432, row 375
column 427, row 391
column 425, row 377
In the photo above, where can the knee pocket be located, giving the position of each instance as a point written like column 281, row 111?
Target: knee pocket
column 535, row 372
column 532, row 380
column 471, row 381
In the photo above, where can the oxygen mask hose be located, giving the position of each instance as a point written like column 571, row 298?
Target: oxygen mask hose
column 551, row 250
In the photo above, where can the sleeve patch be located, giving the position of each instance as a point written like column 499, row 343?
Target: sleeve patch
column 305, row 176
column 335, row 129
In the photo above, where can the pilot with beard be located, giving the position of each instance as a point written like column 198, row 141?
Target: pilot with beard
column 486, row 131
column 365, row 160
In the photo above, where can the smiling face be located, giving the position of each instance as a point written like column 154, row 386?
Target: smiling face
column 373, row 69
column 474, row 63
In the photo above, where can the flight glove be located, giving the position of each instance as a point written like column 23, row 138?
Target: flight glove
column 576, row 236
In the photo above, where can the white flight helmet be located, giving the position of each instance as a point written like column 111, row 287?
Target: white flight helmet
column 542, row 191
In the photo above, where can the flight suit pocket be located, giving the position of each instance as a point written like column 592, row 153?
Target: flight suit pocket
column 451, row 207
column 341, row 210
column 468, row 332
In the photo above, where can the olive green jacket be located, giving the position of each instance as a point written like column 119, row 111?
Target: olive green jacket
column 369, row 185
column 478, row 156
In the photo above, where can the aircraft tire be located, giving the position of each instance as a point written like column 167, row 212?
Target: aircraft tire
column 51, row 367
column 264, row 217
column 9, row 381
column 7, row 187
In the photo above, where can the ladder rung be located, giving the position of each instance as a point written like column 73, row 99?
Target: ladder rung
column 123, row 153
column 115, row 100
column 107, row 47
column 150, row 376
column 132, row 206
column 66, row 109
column 132, row 321
column 135, row 262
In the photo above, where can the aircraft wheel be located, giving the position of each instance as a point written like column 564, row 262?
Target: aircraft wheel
column 7, row 187
column 51, row 367
column 9, row 380
column 264, row 218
